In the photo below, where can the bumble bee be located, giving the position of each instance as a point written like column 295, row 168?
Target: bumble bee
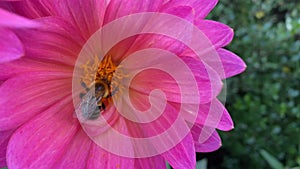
column 98, row 90
column 94, row 100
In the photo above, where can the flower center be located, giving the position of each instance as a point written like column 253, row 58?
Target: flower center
column 98, row 86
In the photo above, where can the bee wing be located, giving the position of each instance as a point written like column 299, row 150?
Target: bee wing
column 88, row 108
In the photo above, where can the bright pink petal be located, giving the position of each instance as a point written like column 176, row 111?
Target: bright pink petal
column 12, row 20
column 226, row 63
column 42, row 141
column 208, row 81
column 76, row 154
column 211, row 143
column 156, row 162
column 146, row 41
column 4, row 138
column 34, row 9
column 201, row 8
column 182, row 156
column 167, row 127
column 204, row 7
column 185, row 12
column 101, row 159
column 119, row 8
column 214, row 115
column 11, row 47
column 128, row 128
column 86, row 16
column 25, row 65
column 226, row 122
column 232, row 64
column 56, row 41
column 156, row 126
column 156, row 40
column 149, row 80
column 219, row 34
column 27, row 95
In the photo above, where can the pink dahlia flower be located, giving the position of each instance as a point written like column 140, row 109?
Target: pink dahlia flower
column 111, row 84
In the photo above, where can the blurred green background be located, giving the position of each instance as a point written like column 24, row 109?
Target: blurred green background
column 264, row 101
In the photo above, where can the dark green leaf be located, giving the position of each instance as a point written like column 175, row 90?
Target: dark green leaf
column 272, row 161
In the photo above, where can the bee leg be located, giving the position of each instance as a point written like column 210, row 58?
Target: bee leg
column 84, row 86
column 112, row 93
column 103, row 106
column 81, row 95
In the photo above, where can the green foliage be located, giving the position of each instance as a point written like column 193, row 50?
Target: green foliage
column 273, row 162
column 202, row 164
column 264, row 100
column 168, row 166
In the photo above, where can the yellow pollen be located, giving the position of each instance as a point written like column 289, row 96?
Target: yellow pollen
column 96, row 70
column 106, row 69
column 88, row 71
